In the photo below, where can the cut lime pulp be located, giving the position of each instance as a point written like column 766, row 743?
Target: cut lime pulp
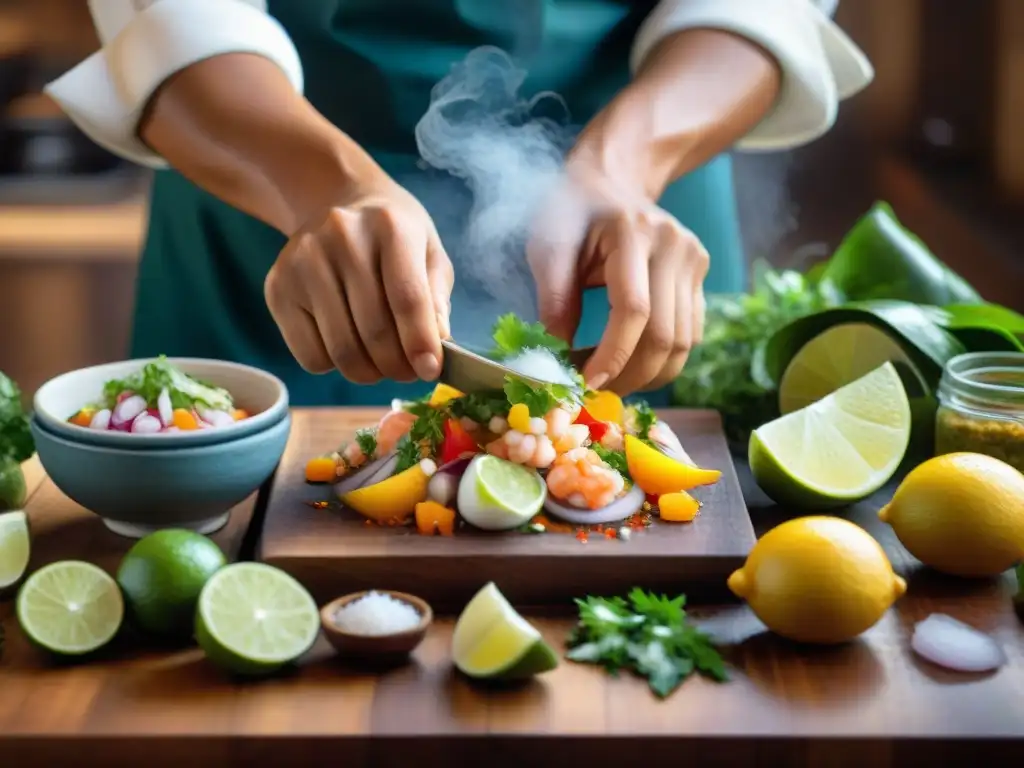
column 70, row 607
column 253, row 619
column 497, row 495
column 491, row 640
column 15, row 548
column 839, row 449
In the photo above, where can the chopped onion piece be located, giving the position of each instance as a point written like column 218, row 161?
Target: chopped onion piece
column 163, row 405
column 214, row 417
column 145, row 424
column 428, row 466
column 128, row 409
column 100, row 419
column 952, row 644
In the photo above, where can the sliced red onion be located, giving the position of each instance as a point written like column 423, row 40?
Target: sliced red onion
column 952, row 644
column 144, row 424
column 100, row 419
column 444, row 485
column 163, row 404
column 665, row 438
column 374, row 472
column 128, row 409
column 214, row 417
column 623, row 507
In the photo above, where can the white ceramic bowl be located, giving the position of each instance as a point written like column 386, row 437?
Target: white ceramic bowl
column 262, row 394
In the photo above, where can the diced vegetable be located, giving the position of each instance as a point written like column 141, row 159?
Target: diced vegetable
column 84, row 417
column 659, row 474
column 519, row 418
column 433, row 518
column 394, row 499
column 598, row 429
column 184, row 420
column 443, row 394
column 457, row 442
column 322, row 469
column 605, row 405
column 678, row 507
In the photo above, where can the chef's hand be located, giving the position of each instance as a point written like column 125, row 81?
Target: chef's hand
column 600, row 230
column 365, row 290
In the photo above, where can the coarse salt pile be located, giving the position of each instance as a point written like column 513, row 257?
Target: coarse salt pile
column 541, row 364
column 376, row 614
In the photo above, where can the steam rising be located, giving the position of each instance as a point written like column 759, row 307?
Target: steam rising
column 508, row 149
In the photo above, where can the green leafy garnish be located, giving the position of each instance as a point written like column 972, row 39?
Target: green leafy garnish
column 513, row 335
column 539, row 399
column 644, row 418
column 409, row 454
column 366, row 439
column 479, row 406
column 428, row 429
column 614, row 459
column 185, row 391
column 648, row 635
column 16, row 443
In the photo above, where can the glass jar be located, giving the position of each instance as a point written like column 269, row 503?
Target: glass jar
column 981, row 406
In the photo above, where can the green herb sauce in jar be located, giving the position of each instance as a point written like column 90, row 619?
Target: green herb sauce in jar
column 981, row 406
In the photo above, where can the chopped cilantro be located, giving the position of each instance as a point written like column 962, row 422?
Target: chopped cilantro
column 540, row 399
column 428, row 429
column 643, row 419
column 16, row 443
column 409, row 454
column 366, row 439
column 479, row 406
column 512, row 336
column 648, row 635
column 185, row 390
column 614, row 459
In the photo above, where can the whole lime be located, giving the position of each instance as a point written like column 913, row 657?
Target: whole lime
column 161, row 577
column 12, row 486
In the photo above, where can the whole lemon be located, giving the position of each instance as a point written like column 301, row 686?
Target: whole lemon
column 961, row 514
column 818, row 580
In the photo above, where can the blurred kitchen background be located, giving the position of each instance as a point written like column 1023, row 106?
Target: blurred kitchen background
column 939, row 135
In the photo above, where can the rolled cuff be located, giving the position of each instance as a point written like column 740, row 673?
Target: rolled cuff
column 106, row 94
column 820, row 64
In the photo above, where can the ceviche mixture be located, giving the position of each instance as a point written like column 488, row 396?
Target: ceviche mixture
column 505, row 459
column 159, row 398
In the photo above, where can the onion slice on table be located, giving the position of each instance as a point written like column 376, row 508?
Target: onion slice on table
column 374, row 472
column 669, row 444
column 952, row 644
column 443, row 487
column 623, row 507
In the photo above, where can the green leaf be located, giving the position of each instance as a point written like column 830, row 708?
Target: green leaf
column 614, row 459
column 981, row 327
column 513, row 335
column 880, row 259
column 479, row 406
column 540, row 399
column 366, row 439
column 184, row 390
column 16, row 443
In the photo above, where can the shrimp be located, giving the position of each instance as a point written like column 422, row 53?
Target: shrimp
column 612, row 438
column 353, row 455
column 523, row 451
column 558, row 421
column 498, row 448
column 583, row 480
column 392, row 428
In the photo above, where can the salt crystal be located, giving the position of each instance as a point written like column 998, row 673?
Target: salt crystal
column 376, row 614
column 540, row 364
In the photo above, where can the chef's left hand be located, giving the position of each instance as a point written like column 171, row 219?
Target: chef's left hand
column 653, row 266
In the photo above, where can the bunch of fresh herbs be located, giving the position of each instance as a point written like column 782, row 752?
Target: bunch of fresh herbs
column 16, row 445
column 647, row 634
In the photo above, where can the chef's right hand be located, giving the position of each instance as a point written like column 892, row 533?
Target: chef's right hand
column 365, row 290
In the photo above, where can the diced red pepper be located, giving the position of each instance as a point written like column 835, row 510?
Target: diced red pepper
column 597, row 428
column 457, row 442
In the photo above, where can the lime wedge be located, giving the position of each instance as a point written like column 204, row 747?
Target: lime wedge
column 841, row 448
column 15, row 548
column 837, row 356
column 70, row 607
column 253, row 619
column 491, row 640
column 497, row 495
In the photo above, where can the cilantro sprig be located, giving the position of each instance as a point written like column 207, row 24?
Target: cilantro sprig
column 16, row 443
column 646, row 634
column 614, row 459
column 539, row 399
column 512, row 335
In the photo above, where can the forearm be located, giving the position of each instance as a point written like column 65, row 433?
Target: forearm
column 236, row 127
column 699, row 92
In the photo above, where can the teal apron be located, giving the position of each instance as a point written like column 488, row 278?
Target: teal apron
column 369, row 68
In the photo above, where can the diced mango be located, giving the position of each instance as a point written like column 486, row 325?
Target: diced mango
column 442, row 394
column 83, row 418
column 433, row 518
column 391, row 500
column 239, row 414
column 322, row 469
column 605, row 405
column 184, row 420
column 519, row 418
column 659, row 474
column 678, row 507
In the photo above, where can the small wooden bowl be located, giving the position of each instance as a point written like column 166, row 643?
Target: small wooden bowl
column 390, row 646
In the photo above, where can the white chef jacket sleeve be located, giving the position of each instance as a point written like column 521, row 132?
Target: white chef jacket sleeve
column 144, row 42
column 820, row 64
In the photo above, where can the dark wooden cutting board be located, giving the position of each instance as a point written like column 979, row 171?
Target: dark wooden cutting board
column 333, row 551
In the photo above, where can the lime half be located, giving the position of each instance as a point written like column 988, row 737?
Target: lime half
column 497, row 495
column 841, row 448
column 838, row 356
column 15, row 547
column 253, row 619
column 70, row 607
column 491, row 640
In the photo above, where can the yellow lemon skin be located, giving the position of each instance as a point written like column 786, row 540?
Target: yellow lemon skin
column 961, row 514
column 818, row 579
column 391, row 500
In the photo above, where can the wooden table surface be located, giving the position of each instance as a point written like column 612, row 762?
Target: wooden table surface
column 870, row 700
